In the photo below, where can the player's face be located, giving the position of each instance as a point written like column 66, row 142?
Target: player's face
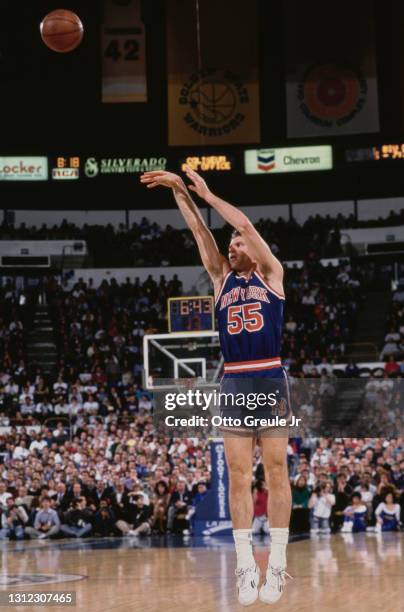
column 239, row 259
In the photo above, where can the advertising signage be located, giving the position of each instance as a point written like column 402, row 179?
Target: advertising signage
column 21, row 168
column 292, row 159
column 116, row 166
column 376, row 153
column 66, row 168
column 208, row 163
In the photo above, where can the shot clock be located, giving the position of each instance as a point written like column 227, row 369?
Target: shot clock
column 188, row 314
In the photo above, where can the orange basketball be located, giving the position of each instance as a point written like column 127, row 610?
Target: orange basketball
column 62, row 31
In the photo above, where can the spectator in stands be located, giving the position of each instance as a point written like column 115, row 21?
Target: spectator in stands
column 4, row 495
column 397, row 474
column 62, row 497
column 46, row 523
column 105, row 521
column 161, row 500
column 23, row 499
column 392, row 367
column 199, row 496
column 321, row 502
column 77, row 521
column 120, row 499
column 355, row 515
column 179, row 504
column 392, row 336
column 137, row 518
column 13, row 521
column 389, row 349
column 300, row 519
column 388, row 514
column 260, row 500
column 343, row 494
column 352, row 370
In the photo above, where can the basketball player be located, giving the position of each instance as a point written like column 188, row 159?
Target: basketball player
column 250, row 336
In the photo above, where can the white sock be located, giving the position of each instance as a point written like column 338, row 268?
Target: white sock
column 244, row 550
column 279, row 541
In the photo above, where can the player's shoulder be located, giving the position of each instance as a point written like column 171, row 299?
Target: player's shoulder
column 272, row 282
column 221, row 281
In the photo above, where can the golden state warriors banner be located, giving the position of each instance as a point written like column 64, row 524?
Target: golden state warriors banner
column 123, row 52
column 331, row 86
column 213, row 89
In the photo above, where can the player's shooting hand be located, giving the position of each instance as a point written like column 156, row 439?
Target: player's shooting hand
column 160, row 178
column 198, row 185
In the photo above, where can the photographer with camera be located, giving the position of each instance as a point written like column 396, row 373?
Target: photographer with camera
column 13, row 521
column 78, row 520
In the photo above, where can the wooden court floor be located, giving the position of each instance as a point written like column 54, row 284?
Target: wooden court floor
column 363, row 573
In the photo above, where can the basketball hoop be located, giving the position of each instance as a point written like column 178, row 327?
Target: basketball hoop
column 186, row 384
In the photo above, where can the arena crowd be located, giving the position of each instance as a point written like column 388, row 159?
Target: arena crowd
column 148, row 243
column 79, row 451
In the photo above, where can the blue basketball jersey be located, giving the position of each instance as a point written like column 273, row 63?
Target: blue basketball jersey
column 390, row 522
column 250, row 319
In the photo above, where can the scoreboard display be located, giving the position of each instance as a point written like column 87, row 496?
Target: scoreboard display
column 376, row 153
column 65, row 168
column 188, row 314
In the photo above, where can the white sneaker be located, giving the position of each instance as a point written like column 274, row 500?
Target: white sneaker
column 272, row 589
column 247, row 584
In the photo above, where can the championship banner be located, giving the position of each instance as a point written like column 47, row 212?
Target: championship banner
column 123, row 52
column 331, row 84
column 213, row 88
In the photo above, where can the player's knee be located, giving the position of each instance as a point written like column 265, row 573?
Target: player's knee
column 276, row 471
column 239, row 474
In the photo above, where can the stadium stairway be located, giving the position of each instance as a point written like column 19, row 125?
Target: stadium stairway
column 370, row 327
column 41, row 345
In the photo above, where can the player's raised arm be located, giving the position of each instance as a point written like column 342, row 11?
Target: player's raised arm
column 215, row 263
column 269, row 266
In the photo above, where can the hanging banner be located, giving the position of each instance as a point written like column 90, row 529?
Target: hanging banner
column 331, row 84
column 213, row 88
column 123, row 53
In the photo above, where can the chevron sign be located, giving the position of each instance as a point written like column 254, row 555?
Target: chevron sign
column 266, row 159
column 292, row 159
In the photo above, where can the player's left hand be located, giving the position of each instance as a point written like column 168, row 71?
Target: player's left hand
column 199, row 186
